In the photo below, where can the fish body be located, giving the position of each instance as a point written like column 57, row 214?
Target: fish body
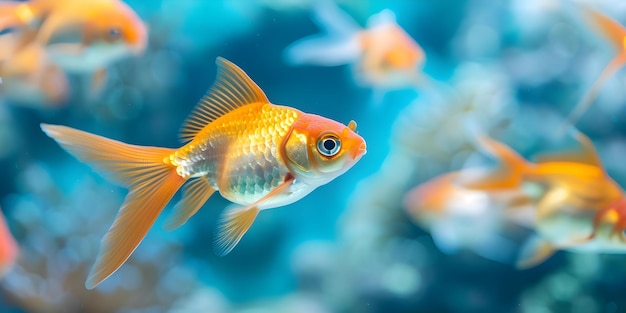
column 579, row 201
column 459, row 218
column 391, row 58
column 581, row 208
column 246, row 146
column 383, row 56
column 256, row 154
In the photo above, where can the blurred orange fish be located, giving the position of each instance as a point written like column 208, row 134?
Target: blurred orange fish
column 80, row 36
column 580, row 209
column 9, row 250
column 461, row 218
column 28, row 76
column 616, row 34
column 383, row 55
column 257, row 154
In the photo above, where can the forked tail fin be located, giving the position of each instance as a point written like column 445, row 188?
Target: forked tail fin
column 151, row 182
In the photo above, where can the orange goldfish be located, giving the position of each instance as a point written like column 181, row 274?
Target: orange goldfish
column 616, row 34
column 256, row 154
column 461, row 218
column 382, row 55
column 9, row 250
column 80, row 36
column 28, row 77
column 580, row 209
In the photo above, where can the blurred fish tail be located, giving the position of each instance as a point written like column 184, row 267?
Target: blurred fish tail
column 339, row 44
column 146, row 171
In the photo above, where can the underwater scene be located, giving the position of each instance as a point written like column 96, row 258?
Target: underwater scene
column 417, row 156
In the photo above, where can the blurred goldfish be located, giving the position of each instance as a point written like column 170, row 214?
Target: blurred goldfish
column 580, row 209
column 616, row 34
column 28, row 77
column 257, row 154
column 461, row 218
column 79, row 36
column 9, row 250
column 382, row 55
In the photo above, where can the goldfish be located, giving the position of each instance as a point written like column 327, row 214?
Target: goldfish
column 462, row 218
column 29, row 77
column 81, row 37
column 9, row 250
column 580, row 207
column 383, row 55
column 258, row 155
column 616, row 34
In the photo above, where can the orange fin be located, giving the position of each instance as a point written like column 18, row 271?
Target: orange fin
column 98, row 82
column 232, row 89
column 507, row 175
column 9, row 249
column 234, row 224
column 236, row 220
column 195, row 194
column 534, row 252
column 609, row 27
column 616, row 34
column 151, row 183
column 586, row 153
column 587, row 100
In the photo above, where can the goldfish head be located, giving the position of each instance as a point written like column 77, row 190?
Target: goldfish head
column 120, row 24
column 318, row 149
column 84, row 37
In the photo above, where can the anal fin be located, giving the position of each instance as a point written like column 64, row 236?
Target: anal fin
column 535, row 251
column 195, row 194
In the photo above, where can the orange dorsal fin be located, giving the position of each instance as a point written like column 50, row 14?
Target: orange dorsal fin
column 586, row 153
column 508, row 173
column 232, row 89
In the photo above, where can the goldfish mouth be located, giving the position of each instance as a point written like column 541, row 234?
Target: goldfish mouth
column 360, row 151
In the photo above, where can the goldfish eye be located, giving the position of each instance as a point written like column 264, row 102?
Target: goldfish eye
column 329, row 145
column 115, row 33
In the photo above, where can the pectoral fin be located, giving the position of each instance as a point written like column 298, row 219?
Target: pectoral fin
column 237, row 220
column 445, row 238
column 535, row 251
column 98, row 81
column 234, row 224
